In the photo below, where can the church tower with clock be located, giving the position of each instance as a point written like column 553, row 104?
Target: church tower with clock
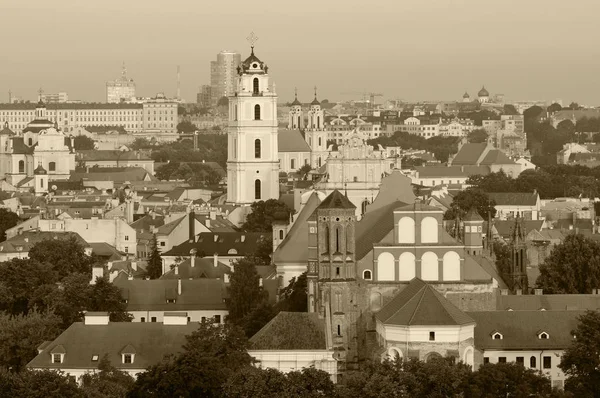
column 252, row 147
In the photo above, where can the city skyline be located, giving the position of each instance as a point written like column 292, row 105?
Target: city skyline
column 418, row 55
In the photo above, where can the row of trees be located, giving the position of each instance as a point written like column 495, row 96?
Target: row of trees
column 196, row 174
column 441, row 147
column 211, row 148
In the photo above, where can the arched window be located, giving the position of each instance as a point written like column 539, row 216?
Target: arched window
column 41, row 183
column 257, row 149
column 468, row 356
column 451, row 266
column 257, row 112
column 406, row 230
column 318, row 124
column 532, row 362
column 52, row 166
column 385, row 267
column 30, row 141
column 429, row 267
column 21, row 166
column 255, row 85
column 367, row 275
column 407, row 269
column 363, row 207
column 257, row 189
column 319, row 161
column 292, row 164
column 394, row 353
column 337, row 240
column 429, row 230
column 235, row 117
column 281, row 234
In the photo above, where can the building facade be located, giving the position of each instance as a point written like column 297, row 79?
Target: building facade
column 252, row 159
column 121, row 89
column 223, row 76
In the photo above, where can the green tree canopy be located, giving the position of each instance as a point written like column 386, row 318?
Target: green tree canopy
column 211, row 355
column 245, row 292
column 580, row 361
column 83, row 142
column 264, row 213
column 19, row 281
column 554, row 107
column 155, row 263
column 38, row 384
column 67, row 256
column 572, row 267
column 477, row 136
column 8, row 219
column 471, row 198
column 186, row 127
column 108, row 382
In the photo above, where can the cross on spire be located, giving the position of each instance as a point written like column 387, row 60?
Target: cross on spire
column 315, row 92
column 296, row 92
column 252, row 38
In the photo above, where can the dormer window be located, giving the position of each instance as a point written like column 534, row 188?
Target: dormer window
column 497, row 336
column 57, row 358
column 543, row 336
column 128, row 354
column 128, row 358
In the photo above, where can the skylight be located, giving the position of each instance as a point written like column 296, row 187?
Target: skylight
column 94, row 358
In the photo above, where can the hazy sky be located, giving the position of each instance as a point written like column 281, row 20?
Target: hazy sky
column 409, row 49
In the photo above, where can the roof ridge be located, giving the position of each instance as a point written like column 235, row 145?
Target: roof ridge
column 422, row 289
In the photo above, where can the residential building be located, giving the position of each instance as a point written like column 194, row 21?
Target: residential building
column 98, row 158
column 153, row 300
column 431, row 176
column 121, row 89
column 512, row 204
column 574, row 115
column 60, row 97
column 223, row 76
column 204, row 96
column 252, row 160
column 18, row 246
column 485, row 155
column 131, row 347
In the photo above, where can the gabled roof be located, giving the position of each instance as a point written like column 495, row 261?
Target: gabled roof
column 152, row 295
column 520, row 329
column 394, row 188
column 419, row 304
column 336, row 200
column 97, row 155
column 292, row 141
column 418, row 207
column 236, row 244
column 549, row 302
column 456, row 171
column 473, row 215
column 496, row 156
column 469, row 154
column 167, row 228
column 203, row 268
column 117, row 175
column 514, row 198
column 291, row 331
column 505, row 227
column 294, row 248
column 27, row 239
column 144, row 223
column 152, row 341
column 19, row 146
column 373, row 227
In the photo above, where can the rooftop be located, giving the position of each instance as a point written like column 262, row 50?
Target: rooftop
column 291, row 331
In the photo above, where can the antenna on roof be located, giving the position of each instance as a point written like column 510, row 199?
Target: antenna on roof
column 178, row 82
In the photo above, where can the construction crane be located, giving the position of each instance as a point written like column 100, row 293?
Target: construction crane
column 365, row 94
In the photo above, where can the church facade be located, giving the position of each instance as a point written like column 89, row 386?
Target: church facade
column 252, row 159
column 39, row 144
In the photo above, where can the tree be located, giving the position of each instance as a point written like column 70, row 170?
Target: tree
column 471, row 198
column 580, row 361
column 263, row 213
column 19, row 280
column 223, row 101
column 141, row 143
column 572, row 267
column 67, row 256
column 165, row 171
column 510, row 109
column 155, row 263
column 186, row 127
column 477, row 136
column 83, row 143
column 20, row 336
column 107, row 382
column 8, row 219
column 553, row 108
column 294, row 297
column 509, row 380
column 304, row 170
column 38, row 384
column 211, row 355
column 574, row 106
column 245, row 292
column 106, row 297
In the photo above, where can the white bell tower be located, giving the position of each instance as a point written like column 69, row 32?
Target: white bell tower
column 315, row 134
column 296, row 119
column 252, row 152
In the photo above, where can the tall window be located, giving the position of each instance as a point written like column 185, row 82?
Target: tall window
column 337, row 240
column 257, row 112
column 255, row 85
column 257, row 189
column 532, row 362
column 293, row 164
column 319, row 141
column 52, row 166
column 21, row 166
column 30, row 141
column 257, row 148
column 318, row 124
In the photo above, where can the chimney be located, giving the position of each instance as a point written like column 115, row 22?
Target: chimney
column 193, row 257
column 243, row 238
column 207, row 223
column 192, row 225
column 176, row 270
column 97, row 272
column 519, row 292
column 129, row 277
column 260, row 281
column 215, row 260
column 134, row 265
column 539, row 292
column 153, row 215
column 26, row 239
column 179, row 287
column 96, row 318
column 226, row 278
column 504, row 292
column 213, row 214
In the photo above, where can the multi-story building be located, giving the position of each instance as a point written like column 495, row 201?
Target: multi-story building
column 203, row 98
column 223, row 75
column 158, row 115
column 121, row 89
column 60, row 97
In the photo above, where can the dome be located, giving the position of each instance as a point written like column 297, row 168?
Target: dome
column 466, row 95
column 483, row 92
column 40, row 170
column 252, row 64
column 315, row 102
column 296, row 102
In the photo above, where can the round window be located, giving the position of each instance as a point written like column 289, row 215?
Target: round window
column 255, row 65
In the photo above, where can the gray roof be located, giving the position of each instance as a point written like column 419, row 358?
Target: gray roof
column 291, row 331
column 291, row 141
column 150, row 340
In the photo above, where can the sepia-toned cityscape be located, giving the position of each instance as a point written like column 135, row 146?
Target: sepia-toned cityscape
column 376, row 200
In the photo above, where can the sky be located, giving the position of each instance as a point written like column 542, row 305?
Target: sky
column 413, row 50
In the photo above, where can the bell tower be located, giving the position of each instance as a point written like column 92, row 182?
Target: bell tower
column 315, row 135
column 252, row 147
column 518, row 264
column 332, row 277
column 296, row 119
column 473, row 229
